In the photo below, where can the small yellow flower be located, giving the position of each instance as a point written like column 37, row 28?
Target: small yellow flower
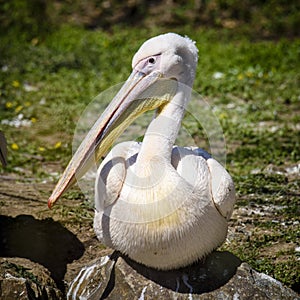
column 16, row 83
column 18, row 108
column 42, row 149
column 223, row 116
column 14, row 146
column 27, row 103
column 33, row 120
column 57, row 145
column 240, row 77
column 34, row 41
column 9, row 104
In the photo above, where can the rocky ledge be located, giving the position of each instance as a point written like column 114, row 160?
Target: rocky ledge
column 221, row 276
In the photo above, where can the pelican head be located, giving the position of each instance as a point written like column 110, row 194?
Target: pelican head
column 173, row 56
column 158, row 66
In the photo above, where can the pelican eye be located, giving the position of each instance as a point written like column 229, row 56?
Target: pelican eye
column 152, row 60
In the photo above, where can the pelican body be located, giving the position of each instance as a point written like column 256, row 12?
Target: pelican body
column 164, row 206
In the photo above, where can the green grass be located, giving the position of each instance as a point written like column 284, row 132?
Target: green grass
column 50, row 81
column 22, row 272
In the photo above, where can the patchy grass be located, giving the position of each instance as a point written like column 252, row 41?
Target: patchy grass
column 21, row 272
column 252, row 88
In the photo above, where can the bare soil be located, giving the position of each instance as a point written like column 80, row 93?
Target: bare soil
column 56, row 239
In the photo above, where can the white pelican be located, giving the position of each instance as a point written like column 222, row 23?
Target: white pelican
column 163, row 206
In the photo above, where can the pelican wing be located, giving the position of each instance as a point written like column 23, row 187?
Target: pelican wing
column 199, row 169
column 112, row 173
column 222, row 187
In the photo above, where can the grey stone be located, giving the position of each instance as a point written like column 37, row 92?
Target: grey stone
column 22, row 279
column 221, row 276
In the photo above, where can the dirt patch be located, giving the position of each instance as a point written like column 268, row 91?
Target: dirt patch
column 57, row 239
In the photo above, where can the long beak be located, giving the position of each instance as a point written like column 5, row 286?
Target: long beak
column 140, row 93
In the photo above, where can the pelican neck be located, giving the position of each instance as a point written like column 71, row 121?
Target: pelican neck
column 161, row 133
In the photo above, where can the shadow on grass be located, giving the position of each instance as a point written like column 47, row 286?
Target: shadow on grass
column 42, row 241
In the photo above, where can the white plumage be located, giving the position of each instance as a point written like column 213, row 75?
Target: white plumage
column 163, row 206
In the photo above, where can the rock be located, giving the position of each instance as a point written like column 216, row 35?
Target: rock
column 22, row 279
column 221, row 276
column 45, row 242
